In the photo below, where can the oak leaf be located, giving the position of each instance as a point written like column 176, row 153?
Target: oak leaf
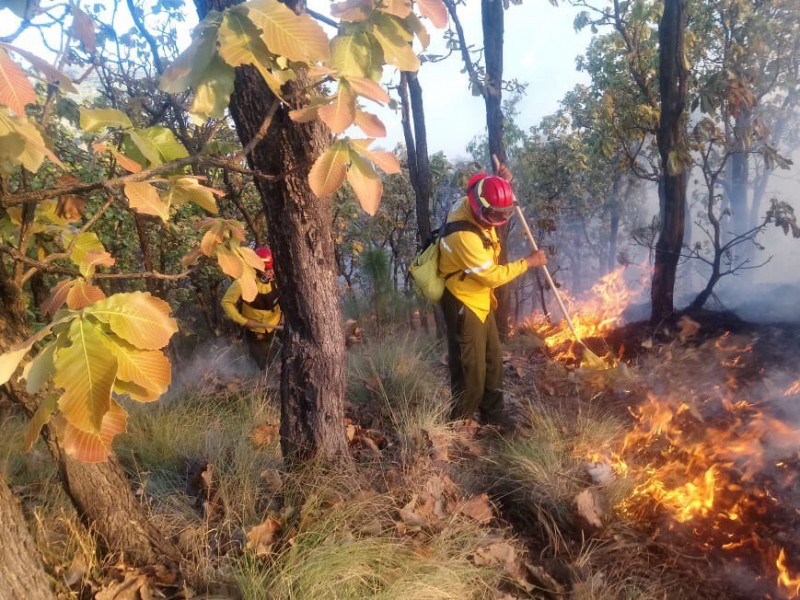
column 15, row 90
column 137, row 317
column 329, row 170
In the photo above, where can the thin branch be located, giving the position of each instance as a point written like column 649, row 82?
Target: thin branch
column 262, row 131
column 322, row 18
column 111, row 184
column 147, row 36
column 470, row 66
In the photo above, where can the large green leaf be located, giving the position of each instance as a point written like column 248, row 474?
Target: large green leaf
column 40, row 418
column 395, row 40
column 353, row 56
column 95, row 119
column 165, row 141
column 145, row 146
column 188, row 69
column 40, row 369
column 9, row 361
column 213, row 93
column 86, row 371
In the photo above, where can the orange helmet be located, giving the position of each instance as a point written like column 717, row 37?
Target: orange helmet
column 266, row 255
column 491, row 199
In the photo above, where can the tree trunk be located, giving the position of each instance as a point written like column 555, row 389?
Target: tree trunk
column 418, row 165
column 21, row 572
column 613, row 232
column 493, row 21
column 671, row 138
column 100, row 492
column 300, row 236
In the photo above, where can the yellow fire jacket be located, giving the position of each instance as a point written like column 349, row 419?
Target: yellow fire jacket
column 263, row 309
column 478, row 271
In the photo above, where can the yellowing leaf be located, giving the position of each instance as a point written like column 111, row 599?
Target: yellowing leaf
column 329, row 170
column 251, row 258
column 247, row 283
column 386, row 161
column 22, row 143
column 230, row 263
column 39, row 419
column 435, row 10
column 40, row 369
column 136, row 317
column 305, row 114
column 15, row 89
column 396, row 42
column 398, row 8
column 82, row 294
column 297, row 37
column 213, row 92
column 370, row 124
column 149, row 370
column 51, row 74
column 240, row 42
column 187, row 70
column 352, row 55
column 94, row 119
column 9, row 361
column 366, row 184
column 85, row 371
column 341, row 113
column 352, row 10
column 95, row 447
column 57, row 297
column 415, row 25
column 189, row 189
column 369, row 89
column 144, row 199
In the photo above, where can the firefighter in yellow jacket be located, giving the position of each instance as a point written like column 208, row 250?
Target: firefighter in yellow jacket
column 468, row 260
column 261, row 315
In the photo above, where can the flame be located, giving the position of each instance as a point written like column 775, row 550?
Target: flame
column 789, row 584
column 793, row 389
column 593, row 317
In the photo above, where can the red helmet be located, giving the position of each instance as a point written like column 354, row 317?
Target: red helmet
column 491, row 199
column 266, row 255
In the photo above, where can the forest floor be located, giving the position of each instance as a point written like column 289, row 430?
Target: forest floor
column 670, row 477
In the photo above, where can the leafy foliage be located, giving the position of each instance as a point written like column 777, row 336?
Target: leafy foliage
column 111, row 347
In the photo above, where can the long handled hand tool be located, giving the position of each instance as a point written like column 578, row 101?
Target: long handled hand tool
column 590, row 357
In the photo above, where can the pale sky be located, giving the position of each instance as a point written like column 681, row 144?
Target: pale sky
column 540, row 50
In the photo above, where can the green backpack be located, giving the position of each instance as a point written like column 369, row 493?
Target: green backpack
column 424, row 269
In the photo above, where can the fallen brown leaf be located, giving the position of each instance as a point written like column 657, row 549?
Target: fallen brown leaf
column 589, row 507
column 477, row 508
column 261, row 537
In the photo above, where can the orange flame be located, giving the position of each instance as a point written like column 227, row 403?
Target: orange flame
column 593, row 317
column 790, row 584
column 793, row 389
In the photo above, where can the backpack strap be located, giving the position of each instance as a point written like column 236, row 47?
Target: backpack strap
column 456, row 226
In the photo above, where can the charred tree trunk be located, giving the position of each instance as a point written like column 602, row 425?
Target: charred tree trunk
column 671, row 139
column 613, row 226
column 300, row 236
column 493, row 22
column 100, row 492
column 418, row 165
column 21, row 572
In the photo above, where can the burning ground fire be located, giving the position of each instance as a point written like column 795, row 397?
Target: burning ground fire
column 593, row 317
column 711, row 450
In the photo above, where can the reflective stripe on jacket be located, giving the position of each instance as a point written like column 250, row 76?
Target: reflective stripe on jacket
column 252, row 311
column 464, row 251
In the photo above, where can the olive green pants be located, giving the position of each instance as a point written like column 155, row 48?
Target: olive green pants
column 476, row 362
column 262, row 347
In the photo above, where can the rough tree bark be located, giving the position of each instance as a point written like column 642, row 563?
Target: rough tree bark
column 671, row 137
column 100, row 493
column 300, row 236
column 21, row 572
column 493, row 22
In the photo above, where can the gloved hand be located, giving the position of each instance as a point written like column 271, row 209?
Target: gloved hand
column 253, row 324
column 536, row 259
